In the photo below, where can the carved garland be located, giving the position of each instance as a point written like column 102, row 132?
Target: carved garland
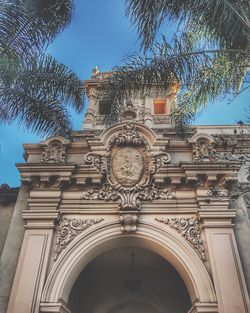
column 149, row 193
column 68, row 229
column 189, row 229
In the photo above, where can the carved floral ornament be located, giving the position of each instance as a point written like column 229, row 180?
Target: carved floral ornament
column 54, row 150
column 128, row 171
column 68, row 229
column 203, row 151
column 189, row 229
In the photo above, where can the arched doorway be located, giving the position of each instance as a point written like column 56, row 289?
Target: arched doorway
column 129, row 280
column 103, row 239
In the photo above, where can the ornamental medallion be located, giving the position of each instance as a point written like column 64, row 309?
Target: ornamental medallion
column 127, row 165
column 128, row 175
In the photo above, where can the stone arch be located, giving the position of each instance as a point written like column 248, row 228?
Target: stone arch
column 147, row 133
column 201, row 136
column 162, row 241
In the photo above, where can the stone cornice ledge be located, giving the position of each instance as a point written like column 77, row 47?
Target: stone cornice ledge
column 204, row 308
column 217, row 219
column 55, row 307
column 40, row 219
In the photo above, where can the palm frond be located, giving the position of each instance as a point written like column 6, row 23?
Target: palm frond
column 54, row 14
column 223, row 21
column 26, row 26
column 204, row 75
column 53, row 78
column 182, row 115
column 20, row 37
column 37, row 95
column 218, row 80
column 43, row 115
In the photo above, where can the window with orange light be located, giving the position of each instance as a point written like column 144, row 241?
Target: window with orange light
column 160, row 106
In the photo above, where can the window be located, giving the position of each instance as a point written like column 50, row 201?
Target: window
column 104, row 107
column 160, row 106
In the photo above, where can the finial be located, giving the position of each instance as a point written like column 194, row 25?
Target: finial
column 95, row 71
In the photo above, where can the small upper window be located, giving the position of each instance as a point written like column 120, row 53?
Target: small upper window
column 160, row 106
column 104, row 107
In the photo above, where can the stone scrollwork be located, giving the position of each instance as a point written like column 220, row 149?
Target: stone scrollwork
column 128, row 200
column 189, row 229
column 68, row 229
column 128, row 136
column 98, row 161
column 54, row 150
column 128, row 171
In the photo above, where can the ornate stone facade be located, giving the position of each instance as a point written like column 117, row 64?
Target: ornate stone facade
column 132, row 184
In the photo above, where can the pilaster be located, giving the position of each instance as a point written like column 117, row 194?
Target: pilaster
column 226, row 268
column 32, row 266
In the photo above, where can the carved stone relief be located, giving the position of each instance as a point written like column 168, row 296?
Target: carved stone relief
column 128, row 136
column 164, row 119
column 127, row 166
column 203, row 150
column 189, row 229
column 68, row 229
column 128, row 171
column 54, row 150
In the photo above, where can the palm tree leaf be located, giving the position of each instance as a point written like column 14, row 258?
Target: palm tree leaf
column 26, row 26
column 55, row 14
column 44, row 86
column 42, row 115
column 19, row 34
column 204, row 75
column 224, row 21
column 53, row 78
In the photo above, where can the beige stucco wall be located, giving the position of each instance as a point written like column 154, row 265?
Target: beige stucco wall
column 6, row 212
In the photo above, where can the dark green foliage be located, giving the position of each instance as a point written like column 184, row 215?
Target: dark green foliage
column 211, row 63
column 205, row 75
column 35, row 89
column 36, row 95
column 226, row 22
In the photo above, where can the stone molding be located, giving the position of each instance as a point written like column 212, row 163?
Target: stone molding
column 199, row 307
column 56, row 307
column 50, row 175
column 189, row 228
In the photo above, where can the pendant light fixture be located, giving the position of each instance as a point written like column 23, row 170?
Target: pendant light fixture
column 132, row 284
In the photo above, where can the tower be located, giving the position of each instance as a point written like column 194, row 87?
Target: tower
column 150, row 108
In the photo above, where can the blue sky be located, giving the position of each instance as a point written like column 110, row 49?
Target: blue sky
column 99, row 35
